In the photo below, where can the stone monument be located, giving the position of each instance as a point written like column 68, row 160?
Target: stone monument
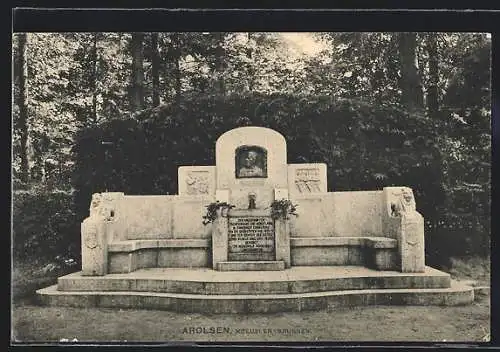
column 342, row 248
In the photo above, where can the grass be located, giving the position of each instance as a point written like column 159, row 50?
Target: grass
column 28, row 276
column 32, row 323
column 473, row 268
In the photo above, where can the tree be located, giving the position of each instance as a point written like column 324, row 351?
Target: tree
column 137, row 88
column 410, row 83
column 220, row 62
column 48, row 66
column 155, row 69
column 364, row 65
column 23, row 118
column 432, row 87
column 94, row 77
column 176, row 58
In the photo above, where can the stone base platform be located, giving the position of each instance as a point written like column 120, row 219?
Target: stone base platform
column 296, row 289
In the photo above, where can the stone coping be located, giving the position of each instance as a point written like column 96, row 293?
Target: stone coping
column 372, row 242
column 133, row 245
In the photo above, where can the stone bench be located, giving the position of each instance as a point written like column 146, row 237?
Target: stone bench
column 130, row 255
column 134, row 245
column 375, row 252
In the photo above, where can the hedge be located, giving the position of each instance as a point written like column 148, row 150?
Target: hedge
column 45, row 225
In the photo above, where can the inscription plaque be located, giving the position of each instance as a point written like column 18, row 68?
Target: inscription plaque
column 251, row 238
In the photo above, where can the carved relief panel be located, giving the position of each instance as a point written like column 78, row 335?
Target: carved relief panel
column 196, row 180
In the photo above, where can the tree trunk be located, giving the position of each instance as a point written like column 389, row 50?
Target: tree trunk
column 410, row 84
column 251, row 70
column 432, row 90
column 155, row 69
column 176, row 47
column 94, row 79
column 219, row 63
column 23, row 107
column 137, row 92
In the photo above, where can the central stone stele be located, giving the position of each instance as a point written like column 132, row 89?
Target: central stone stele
column 250, row 173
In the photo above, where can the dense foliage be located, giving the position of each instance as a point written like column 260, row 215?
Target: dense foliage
column 46, row 225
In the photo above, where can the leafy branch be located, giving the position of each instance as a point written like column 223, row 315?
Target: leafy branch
column 212, row 209
column 282, row 209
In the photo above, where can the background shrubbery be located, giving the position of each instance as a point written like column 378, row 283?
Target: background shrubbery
column 45, row 225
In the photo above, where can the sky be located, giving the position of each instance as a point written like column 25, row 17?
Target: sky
column 302, row 43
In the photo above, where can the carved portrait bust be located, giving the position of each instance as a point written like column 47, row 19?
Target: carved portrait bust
column 251, row 161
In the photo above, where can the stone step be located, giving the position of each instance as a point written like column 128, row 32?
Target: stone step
column 456, row 294
column 273, row 265
column 293, row 280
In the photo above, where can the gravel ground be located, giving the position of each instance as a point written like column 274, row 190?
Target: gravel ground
column 444, row 324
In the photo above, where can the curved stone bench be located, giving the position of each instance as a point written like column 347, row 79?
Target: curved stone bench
column 130, row 255
column 375, row 252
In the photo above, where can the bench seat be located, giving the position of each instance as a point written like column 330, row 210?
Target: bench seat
column 130, row 255
column 379, row 253
column 134, row 245
column 371, row 242
column 375, row 252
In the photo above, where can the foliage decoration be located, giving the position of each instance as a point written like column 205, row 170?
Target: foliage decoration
column 212, row 209
column 282, row 209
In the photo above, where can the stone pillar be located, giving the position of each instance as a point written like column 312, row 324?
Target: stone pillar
column 401, row 221
column 282, row 231
column 220, row 228
column 94, row 246
column 98, row 230
column 282, row 241
column 411, row 243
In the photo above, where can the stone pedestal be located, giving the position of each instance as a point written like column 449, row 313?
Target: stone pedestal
column 219, row 238
column 402, row 222
column 411, row 243
column 245, row 239
column 94, row 246
column 282, row 240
